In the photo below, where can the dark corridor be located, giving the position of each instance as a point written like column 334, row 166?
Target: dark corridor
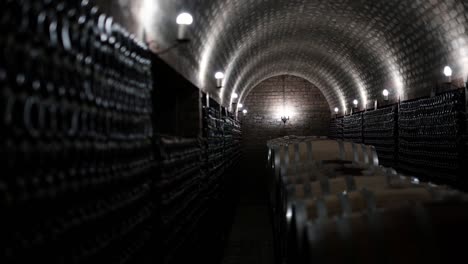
column 251, row 239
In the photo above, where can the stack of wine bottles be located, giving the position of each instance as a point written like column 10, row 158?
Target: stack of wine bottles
column 213, row 149
column 380, row 131
column 430, row 131
column 75, row 127
column 352, row 128
column 182, row 203
column 331, row 208
column 232, row 140
column 336, row 128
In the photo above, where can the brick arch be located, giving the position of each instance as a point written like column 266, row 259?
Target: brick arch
column 311, row 112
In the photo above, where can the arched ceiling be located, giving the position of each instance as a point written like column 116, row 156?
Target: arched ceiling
column 350, row 49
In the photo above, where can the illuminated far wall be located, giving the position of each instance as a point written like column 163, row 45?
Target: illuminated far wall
column 307, row 108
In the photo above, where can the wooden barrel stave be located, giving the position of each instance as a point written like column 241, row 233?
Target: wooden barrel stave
column 301, row 167
column 293, row 155
column 408, row 234
column 384, row 199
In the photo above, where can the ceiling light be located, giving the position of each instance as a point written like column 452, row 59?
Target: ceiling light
column 219, row 75
column 240, row 105
column 235, row 95
column 448, row 71
column 336, row 110
column 355, row 102
column 184, row 19
column 244, row 111
column 385, row 93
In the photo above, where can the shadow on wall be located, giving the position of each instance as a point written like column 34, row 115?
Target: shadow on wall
column 293, row 97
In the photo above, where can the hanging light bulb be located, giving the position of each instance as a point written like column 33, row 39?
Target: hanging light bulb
column 336, row 110
column 234, row 95
column 183, row 20
column 245, row 111
column 385, row 93
column 355, row 102
column 448, row 73
column 219, row 76
column 240, row 106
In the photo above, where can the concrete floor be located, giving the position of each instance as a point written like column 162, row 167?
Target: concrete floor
column 251, row 239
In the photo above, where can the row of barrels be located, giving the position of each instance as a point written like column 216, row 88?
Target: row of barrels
column 331, row 202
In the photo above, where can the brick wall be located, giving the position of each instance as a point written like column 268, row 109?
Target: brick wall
column 309, row 111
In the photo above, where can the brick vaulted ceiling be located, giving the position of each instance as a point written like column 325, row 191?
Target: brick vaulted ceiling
column 350, row 49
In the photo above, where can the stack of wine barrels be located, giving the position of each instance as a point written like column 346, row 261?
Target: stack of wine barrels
column 332, row 202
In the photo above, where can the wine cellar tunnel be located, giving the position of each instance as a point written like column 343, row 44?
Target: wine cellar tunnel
column 233, row 131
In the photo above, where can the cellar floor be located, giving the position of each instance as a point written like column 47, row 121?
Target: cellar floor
column 251, row 239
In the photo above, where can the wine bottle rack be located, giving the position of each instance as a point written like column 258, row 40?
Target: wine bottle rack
column 222, row 141
column 430, row 132
column 335, row 128
column 180, row 190
column 76, row 149
column 352, row 128
column 380, row 130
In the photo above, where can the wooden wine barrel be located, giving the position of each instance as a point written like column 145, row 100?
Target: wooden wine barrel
column 348, row 202
column 381, row 178
column 318, row 211
column 326, row 184
column 283, row 141
column 295, row 158
column 348, row 183
column 334, row 169
column 420, row 233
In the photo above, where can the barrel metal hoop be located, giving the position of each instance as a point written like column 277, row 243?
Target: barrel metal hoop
column 309, row 152
column 355, row 153
column 322, row 211
column 308, row 189
column 365, row 153
column 285, row 161
column 325, row 185
column 296, row 157
column 375, row 157
column 296, row 152
column 277, row 160
column 346, row 208
column 342, row 150
column 390, row 174
column 370, row 200
column 300, row 217
column 350, row 183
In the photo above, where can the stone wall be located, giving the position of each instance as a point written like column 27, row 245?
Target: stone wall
column 308, row 110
